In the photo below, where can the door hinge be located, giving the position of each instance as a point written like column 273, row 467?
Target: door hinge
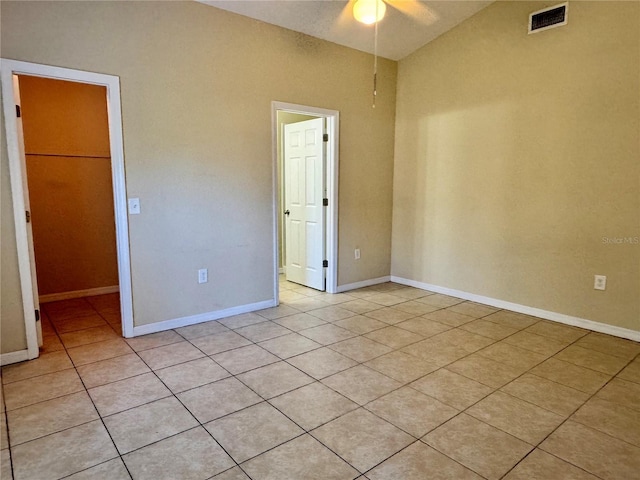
column 325, row 202
column 325, row 137
column 37, row 315
column 325, row 263
column 18, row 111
column 28, row 215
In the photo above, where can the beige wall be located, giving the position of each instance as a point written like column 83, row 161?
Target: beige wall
column 516, row 154
column 66, row 137
column 284, row 118
column 197, row 85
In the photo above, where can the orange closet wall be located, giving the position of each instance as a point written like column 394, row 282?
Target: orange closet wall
column 66, row 137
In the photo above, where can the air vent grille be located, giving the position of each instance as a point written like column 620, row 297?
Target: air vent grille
column 548, row 18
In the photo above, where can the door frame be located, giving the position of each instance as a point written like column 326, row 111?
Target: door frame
column 19, row 189
column 331, row 181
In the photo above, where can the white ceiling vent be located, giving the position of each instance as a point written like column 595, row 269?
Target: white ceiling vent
column 548, row 18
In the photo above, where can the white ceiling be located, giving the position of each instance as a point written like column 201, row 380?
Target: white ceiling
column 407, row 25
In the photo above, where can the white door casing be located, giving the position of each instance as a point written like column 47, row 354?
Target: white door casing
column 304, row 190
column 15, row 149
column 332, row 118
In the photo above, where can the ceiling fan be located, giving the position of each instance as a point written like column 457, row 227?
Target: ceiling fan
column 372, row 12
column 369, row 11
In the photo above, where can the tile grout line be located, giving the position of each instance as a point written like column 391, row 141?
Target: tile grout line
column 65, row 348
column 267, row 400
column 497, row 389
column 281, row 359
column 98, row 412
column 86, row 390
column 360, row 406
column 568, row 417
column 363, row 474
column 373, row 413
column 486, row 396
column 6, row 422
column 394, row 349
column 200, row 424
column 315, row 380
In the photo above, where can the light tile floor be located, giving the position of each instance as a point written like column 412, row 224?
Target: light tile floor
column 385, row 382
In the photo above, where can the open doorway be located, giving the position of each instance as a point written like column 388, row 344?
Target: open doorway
column 68, row 170
column 305, row 144
column 87, row 179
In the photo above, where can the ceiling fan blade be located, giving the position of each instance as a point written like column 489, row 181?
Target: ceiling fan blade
column 415, row 9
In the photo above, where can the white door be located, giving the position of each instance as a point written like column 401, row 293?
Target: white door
column 32, row 260
column 304, row 216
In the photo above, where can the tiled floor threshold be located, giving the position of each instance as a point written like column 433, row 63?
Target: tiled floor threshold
column 385, row 382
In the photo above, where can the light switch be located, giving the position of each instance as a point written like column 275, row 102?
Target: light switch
column 134, row 206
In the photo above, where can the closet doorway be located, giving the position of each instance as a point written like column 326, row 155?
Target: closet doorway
column 68, row 189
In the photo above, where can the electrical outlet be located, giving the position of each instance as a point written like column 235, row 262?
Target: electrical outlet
column 600, row 282
column 203, row 275
column 356, row 253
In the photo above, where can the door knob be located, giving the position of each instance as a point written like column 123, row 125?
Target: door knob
column 287, row 212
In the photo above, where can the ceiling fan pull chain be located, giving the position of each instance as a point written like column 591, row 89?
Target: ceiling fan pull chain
column 375, row 59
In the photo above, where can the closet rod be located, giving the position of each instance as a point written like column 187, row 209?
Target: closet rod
column 58, row 155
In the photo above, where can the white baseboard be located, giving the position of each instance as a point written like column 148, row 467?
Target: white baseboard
column 201, row 317
column 362, row 284
column 281, row 270
column 535, row 312
column 14, row 357
column 89, row 292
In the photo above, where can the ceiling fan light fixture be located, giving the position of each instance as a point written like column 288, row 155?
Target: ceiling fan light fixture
column 369, row 11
